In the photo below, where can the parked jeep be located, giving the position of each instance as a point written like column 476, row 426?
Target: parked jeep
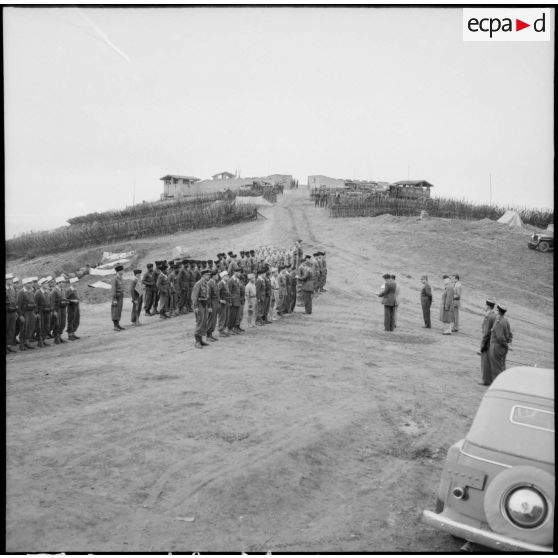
column 542, row 241
column 497, row 486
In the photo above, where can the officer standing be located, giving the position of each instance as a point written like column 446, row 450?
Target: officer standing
column 148, row 282
column 136, row 292
column 73, row 310
column 11, row 312
column 426, row 300
column 117, row 298
column 26, row 309
column 200, row 296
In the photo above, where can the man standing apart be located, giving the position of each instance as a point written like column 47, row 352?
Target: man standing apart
column 200, row 297
column 487, row 324
column 446, row 306
column 117, row 298
column 388, row 300
column 426, row 300
column 500, row 341
column 136, row 292
column 456, row 301
column 396, row 306
column 307, row 285
column 73, row 310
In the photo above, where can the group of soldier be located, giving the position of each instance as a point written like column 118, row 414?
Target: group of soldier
column 265, row 284
column 496, row 331
column 38, row 309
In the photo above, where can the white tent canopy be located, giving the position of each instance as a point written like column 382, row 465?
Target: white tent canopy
column 511, row 218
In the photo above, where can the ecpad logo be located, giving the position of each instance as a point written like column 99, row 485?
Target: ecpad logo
column 496, row 24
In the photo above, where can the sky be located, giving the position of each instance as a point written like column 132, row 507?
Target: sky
column 100, row 103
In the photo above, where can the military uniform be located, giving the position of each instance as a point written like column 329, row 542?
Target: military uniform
column 26, row 309
column 200, row 297
column 11, row 316
column 148, row 282
column 163, row 288
column 73, row 312
column 136, row 293
column 500, row 340
column 225, row 304
column 59, row 304
column 487, row 324
column 213, row 303
column 117, row 301
column 44, row 310
column 307, row 287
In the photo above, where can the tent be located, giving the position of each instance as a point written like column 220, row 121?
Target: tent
column 511, row 218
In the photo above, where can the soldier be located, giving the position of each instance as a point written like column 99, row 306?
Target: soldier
column 174, row 290
column 425, row 300
column 11, row 313
column 26, row 308
column 148, row 282
column 388, row 300
column 191, row 282
column 274, row 294
column 487, row 324
column 292, row 289
column 182, row 287
column 117, row 298
column 234, row 289
column 43, row 311
column 240, row 315
column 224, row 302
column 213, row 303
column 457, row 289
column 396, row 306
column 267, row 304
column 136, row 293
column 163, row 287
column 59, row 304
column 307, row 284
column 253, row 262
column 260, row 297
column 500, row 340
column 446, row 307
column 281, row 291
column 73, row 310
column 200, row 297
column 156, row 295
column 233, row 266
column 251, row 300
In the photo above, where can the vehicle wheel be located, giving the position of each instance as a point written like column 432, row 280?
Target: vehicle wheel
column 543, row 246
column 503, row 486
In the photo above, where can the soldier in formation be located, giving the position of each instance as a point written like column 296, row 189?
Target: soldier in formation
column 39, row 310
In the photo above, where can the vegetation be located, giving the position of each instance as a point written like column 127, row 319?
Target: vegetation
column 372, row 206
column 104, row 228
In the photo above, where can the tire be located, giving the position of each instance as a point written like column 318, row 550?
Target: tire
column 498, row 489
column 544, row 246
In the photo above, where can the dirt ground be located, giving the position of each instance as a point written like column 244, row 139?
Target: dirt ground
column 316, row 433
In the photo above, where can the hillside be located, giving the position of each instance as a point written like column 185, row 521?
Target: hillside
column 313, row 434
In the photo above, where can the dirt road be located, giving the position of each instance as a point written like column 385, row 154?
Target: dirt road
column 316, row 433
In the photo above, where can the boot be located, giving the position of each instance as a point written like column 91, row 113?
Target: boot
column 40, row 343
column 21, row 345
column 27, row 346
column 71, row 337
column 198, row 344
column 74, row 337
column 203, row 343
column 56, row 339
column 60, row 339
column 116, row 328
column 211, row 338
column 119, row 326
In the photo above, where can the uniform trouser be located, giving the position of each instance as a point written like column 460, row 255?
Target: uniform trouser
column 456, row 317
column 299, row 294
column 156, row 297
column 260, row 307
column 497, row 355
column 136, row 311
column 115, row 309
column 293, row 300
column 486, row 372
column 201, row 318
column 273, row 304
column 307, row 298
column 251, row 314
column 280, row 307
column 240, row 315
column 232, row 316
column 395, row 308
column 27, row 327
column 267, row 304
column 212, row 318
column 426, row 303
column 164, row 301
column 189, row 298
column 148, row 299
column 45, row 323
column 10, row 327
column 182, row 298
column 223, row 316
column 73, row 318
column 388, row 317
